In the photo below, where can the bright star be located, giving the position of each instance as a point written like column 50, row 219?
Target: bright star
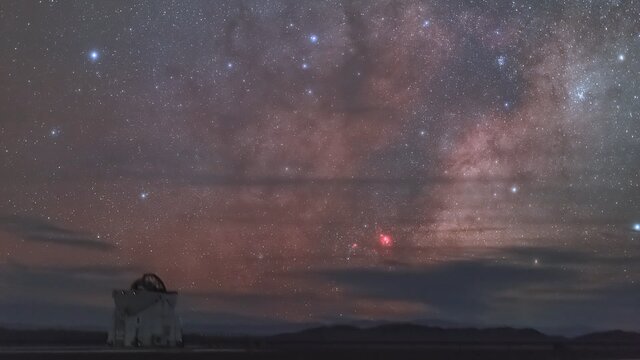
column 313, row 38
column 144, row 195
column 636, row 227
column 426, row 23
column 514, row 189
column 94, row 55
column 305, row 66
column 536, row 262
column 230, row 65
column 621, row 57
column 54, row 132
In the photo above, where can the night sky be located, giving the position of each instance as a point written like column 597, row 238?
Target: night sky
column 294, row 162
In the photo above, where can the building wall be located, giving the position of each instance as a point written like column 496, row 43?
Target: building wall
column 154, row 324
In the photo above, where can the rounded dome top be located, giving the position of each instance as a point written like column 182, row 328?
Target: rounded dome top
column 149, row 282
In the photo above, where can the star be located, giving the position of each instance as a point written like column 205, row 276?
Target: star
column 514, row 189
column 313, row 38
column 54, row 132
column 94, row 55
column 229, row 65
column 621, row 57
column 426, row 23
column 536, row 261
column 144, row 195
column 305, row 66
column 636, row 227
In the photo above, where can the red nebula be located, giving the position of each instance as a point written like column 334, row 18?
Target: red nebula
column 385, row 240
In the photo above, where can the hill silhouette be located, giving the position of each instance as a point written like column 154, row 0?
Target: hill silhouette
column 408, row 332
column 400, row 333
column 614, row 336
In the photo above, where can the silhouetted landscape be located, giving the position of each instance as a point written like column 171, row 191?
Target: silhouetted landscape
column 384, row 341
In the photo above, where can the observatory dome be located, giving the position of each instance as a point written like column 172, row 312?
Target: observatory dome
column 149, row 282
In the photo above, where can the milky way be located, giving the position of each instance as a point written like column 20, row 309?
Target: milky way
column 304, row 161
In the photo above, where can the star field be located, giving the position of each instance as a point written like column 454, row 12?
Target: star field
column 323, row 161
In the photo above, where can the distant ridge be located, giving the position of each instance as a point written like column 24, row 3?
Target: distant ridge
column 407, row 333
column 613, row 336
column 51, row 337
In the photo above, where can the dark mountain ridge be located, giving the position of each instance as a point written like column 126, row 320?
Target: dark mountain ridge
column 613, row 336
column 407, row 333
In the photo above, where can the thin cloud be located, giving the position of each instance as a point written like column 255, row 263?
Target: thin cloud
column 37, row 230
column 461, row 289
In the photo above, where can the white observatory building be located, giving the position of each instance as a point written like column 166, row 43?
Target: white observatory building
column 145, row 315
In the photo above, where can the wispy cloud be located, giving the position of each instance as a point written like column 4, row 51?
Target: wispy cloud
column 37, row 230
